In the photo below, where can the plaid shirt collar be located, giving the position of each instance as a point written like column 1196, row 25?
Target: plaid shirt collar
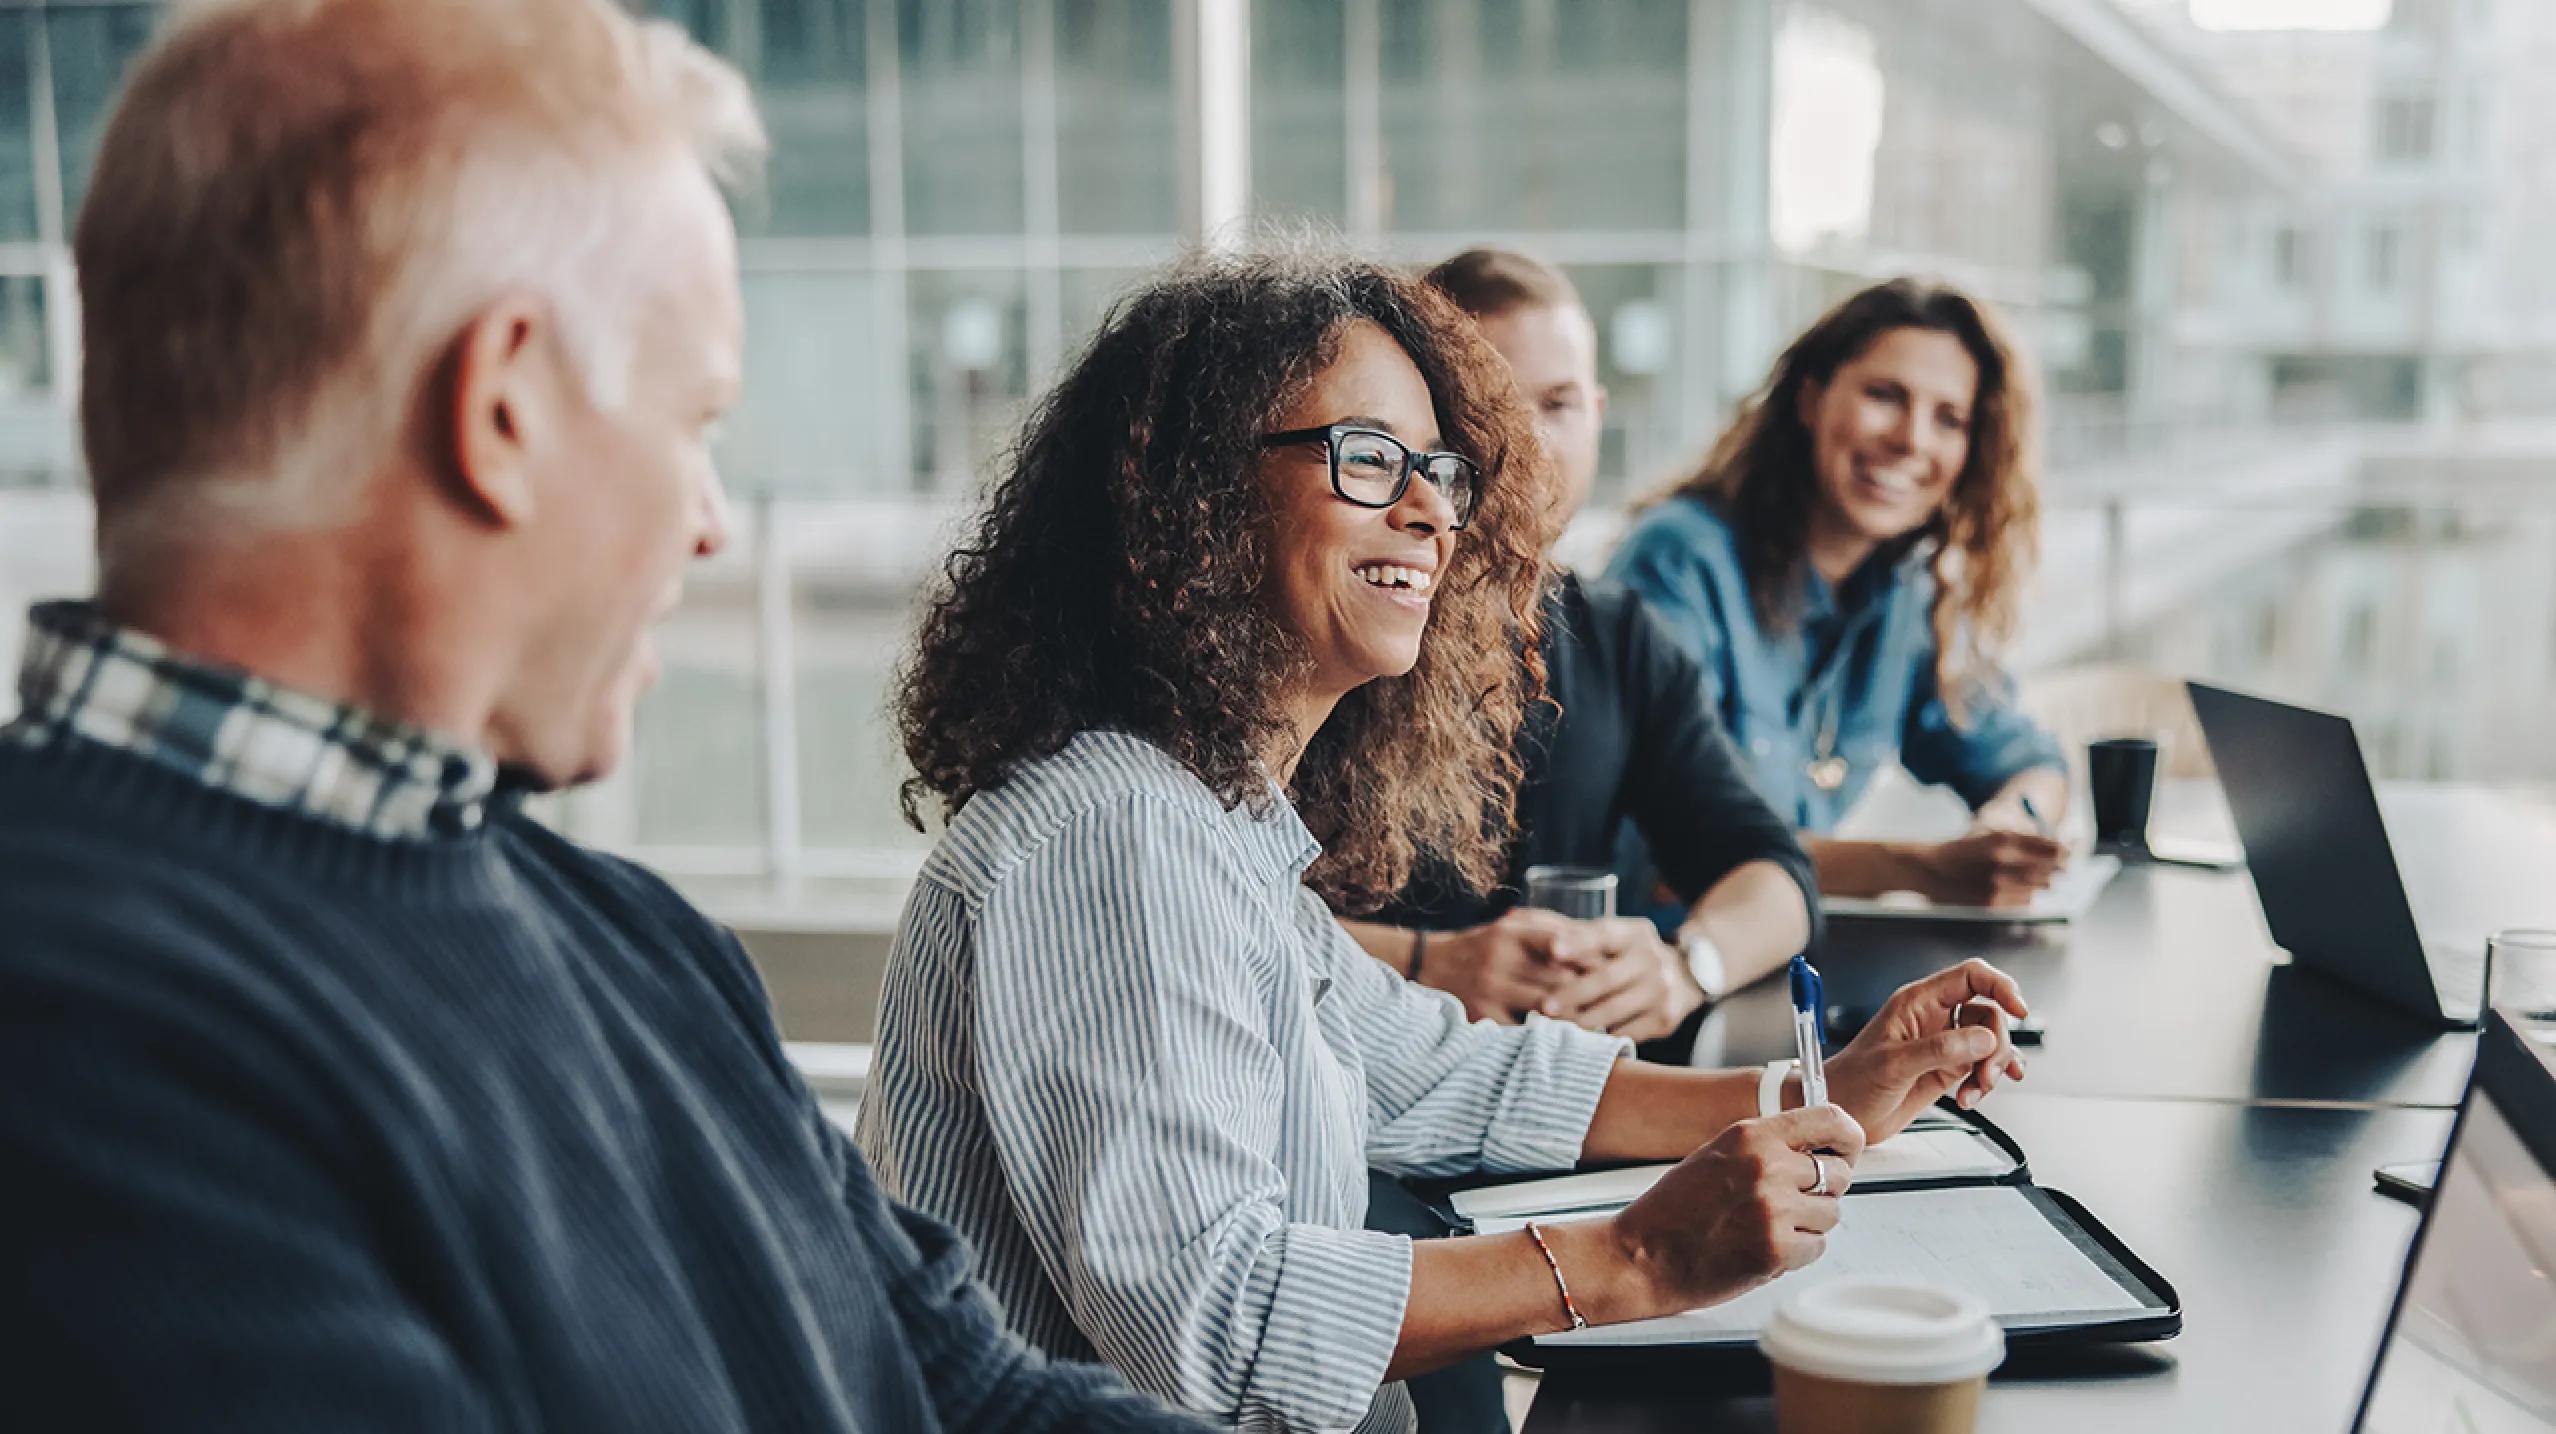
column 84, row 677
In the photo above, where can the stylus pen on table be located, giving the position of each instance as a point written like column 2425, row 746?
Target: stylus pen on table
column 1807, row 1007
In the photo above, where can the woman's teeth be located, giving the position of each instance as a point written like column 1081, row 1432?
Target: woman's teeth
column 1895, row 484
column 1385, row 575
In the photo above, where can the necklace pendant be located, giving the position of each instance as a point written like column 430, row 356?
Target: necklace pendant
column 1828, row 773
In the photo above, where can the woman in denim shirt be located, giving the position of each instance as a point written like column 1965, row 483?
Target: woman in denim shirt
column 1844, row 561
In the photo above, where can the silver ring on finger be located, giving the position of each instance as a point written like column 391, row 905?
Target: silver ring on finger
column 1819, row 1173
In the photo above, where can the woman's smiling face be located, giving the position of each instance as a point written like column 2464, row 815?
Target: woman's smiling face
column 1355, row 583
column 1890, row 431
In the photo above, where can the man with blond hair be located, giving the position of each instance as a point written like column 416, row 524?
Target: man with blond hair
column 339, row 1094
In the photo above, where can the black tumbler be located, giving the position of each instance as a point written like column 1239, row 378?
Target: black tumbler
column 2122, row 771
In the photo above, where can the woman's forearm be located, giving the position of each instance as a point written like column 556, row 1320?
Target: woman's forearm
column 1656, row 1112
column 1860, row 868
column 1388, row 944
column 1477, row 1292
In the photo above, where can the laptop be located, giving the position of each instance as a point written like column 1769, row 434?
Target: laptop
column 2471, row 1341
column 2309, row 819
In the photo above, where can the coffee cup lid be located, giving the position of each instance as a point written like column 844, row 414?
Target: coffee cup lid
column 1868, row 1332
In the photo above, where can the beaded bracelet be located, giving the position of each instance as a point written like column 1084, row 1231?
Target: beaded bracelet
column 1578, row 1320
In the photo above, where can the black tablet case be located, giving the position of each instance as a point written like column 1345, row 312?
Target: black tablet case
column 2163, row 1319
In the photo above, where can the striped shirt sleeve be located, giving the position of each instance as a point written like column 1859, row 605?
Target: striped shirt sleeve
column 1446, row 1095
column 1140, row 1112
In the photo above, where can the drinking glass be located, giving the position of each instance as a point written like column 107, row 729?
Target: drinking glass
column 2520, row 973
column 1586, row 893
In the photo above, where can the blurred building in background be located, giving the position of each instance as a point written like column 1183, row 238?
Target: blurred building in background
column 2277, row 282
column 2411, row 281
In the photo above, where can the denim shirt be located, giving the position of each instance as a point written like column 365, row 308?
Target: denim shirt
column 1853, row 682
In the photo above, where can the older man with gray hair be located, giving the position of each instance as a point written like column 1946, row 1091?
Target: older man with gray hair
column 338, row 1094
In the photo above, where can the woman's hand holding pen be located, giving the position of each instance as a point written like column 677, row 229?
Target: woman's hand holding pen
column 1990, row 866
column 1755, row 1202
column 1933, row 1037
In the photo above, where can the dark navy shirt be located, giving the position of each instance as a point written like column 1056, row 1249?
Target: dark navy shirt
column 1626, row 766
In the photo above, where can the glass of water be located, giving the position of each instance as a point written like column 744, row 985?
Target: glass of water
column 1586, row 893
column 2520, row 973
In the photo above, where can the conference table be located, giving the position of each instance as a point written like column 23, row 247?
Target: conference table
column 2218, row 1109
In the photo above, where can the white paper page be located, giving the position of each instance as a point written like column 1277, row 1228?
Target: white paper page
column 1957, row 1154
column 1988, row 1240
column 1929, row 1153
column 1600, row 1190
column 2071, row 895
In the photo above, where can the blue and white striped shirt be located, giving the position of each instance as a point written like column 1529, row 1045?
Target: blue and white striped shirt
column 1132, row 1058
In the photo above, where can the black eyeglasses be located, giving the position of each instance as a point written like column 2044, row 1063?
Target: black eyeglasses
column 1373, row 469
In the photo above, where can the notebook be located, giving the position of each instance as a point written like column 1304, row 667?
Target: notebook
column 1933, row 1150
column 2071, row 895
column 1949, row 1201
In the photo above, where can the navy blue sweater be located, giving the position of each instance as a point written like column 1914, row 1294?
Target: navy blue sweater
column 301, row 1129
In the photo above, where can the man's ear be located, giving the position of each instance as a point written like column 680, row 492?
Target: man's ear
column 502, row 392
column 1601, row 405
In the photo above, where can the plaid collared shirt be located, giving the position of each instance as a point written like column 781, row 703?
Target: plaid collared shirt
column 84, row 677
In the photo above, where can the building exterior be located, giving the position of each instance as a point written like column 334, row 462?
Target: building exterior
column 2414, row 284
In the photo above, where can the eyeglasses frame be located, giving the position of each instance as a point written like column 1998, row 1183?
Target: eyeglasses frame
column 1330, row 434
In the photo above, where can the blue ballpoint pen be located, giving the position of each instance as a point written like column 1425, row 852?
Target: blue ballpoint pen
column 1808, row 1003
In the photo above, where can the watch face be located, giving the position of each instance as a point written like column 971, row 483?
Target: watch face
column 1704, row 962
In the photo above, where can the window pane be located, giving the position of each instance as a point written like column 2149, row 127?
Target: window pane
column 1086, row 298
column 1962, row 168
column 2426, row 625
column 1636, row 307
column 967, row 346
column 1493, row 110
column 1117, row 130
column 17, row 147
column 1299, row 109
column 37, row 443
column 961, row 80
column 24, row 366
column 697, row 757
column 810, row 412
column 807, row 61
column 809, row 75
column 92, row 46
column 849, row 766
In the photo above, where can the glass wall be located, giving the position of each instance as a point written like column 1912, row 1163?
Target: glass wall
column 960, row 188
column 2425, row 610
column 958, row 185
column 945, row 176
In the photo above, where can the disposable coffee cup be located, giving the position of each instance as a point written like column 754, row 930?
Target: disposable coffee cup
column 1863, row 1357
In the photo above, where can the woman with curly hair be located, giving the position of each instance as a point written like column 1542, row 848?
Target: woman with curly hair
column 1846, row 562
column 1242, row 624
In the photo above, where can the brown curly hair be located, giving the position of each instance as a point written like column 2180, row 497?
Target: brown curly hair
column 1985, row 537
column 1115, row 578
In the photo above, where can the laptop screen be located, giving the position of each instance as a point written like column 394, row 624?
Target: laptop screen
column 2472, row 1345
